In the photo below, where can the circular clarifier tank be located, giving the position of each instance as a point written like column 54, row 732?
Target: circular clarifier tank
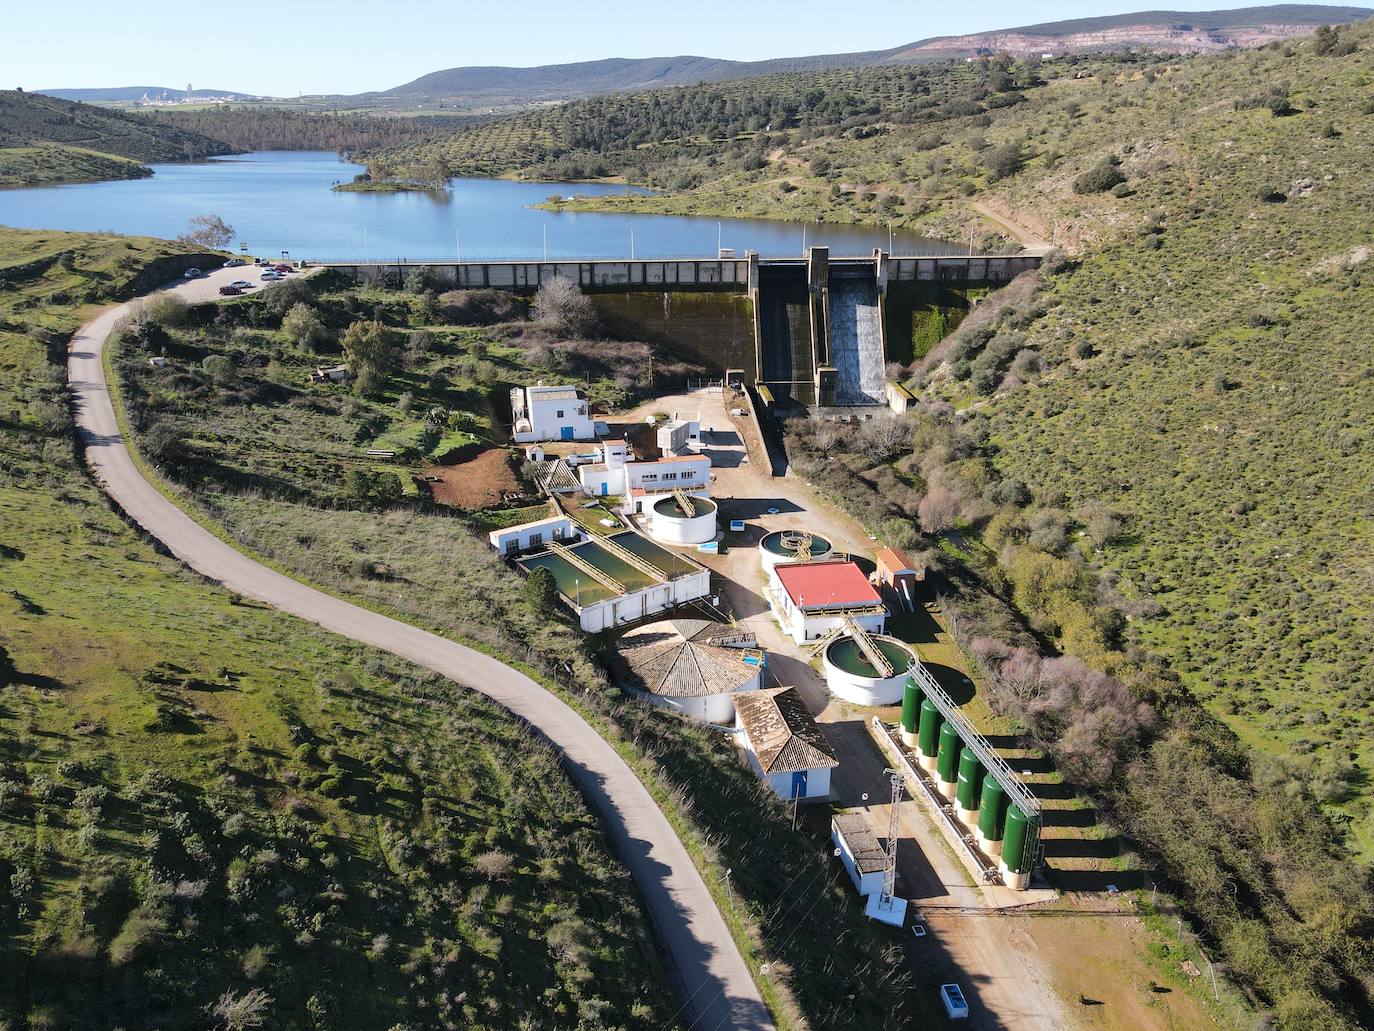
column 672, row 524
column 850, row 675
column 792, row 546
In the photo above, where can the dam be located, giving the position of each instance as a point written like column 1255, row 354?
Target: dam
column 818, row 331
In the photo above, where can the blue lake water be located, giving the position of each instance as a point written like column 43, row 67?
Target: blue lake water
column 281, row 200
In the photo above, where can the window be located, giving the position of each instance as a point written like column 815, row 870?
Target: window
column 560, row 413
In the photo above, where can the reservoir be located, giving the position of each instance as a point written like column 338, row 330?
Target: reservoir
column 281, row 201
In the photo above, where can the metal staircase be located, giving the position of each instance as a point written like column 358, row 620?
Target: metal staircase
column 576, row 560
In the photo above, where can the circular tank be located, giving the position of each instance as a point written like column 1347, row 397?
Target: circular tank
column 992, row 814
column 928, row 738
column 970, row 781
column 670, row 524
column 850, row 675
column 947, row 763
column 792, row 546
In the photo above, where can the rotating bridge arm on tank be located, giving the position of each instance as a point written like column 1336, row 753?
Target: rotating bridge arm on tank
column 576, row 560
column 684, row 502
column 630, row 558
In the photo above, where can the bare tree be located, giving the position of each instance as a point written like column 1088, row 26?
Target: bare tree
column 938, row 510
column 208, row 231
column 887, row 437
column 238, row 1012
column 561, row 304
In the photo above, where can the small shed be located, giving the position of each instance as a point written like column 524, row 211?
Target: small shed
column 785, row 745
column 860, row 852
column 899, row 573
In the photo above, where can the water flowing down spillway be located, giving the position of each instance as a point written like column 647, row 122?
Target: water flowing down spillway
column 856, row 342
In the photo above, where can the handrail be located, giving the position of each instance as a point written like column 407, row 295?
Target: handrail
column 567, row 553
column 870, row 650
column 631, row 559
column 684, row 502
column 992, row 762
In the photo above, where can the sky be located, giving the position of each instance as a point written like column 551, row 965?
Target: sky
column 287, row 47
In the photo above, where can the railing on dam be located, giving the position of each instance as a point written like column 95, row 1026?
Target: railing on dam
column 649, row 273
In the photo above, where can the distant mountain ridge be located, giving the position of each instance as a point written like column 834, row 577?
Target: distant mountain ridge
column 491, row 88
column 1170, row 31
column 133, row 94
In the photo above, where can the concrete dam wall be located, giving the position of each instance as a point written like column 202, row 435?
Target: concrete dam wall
column 815, row 331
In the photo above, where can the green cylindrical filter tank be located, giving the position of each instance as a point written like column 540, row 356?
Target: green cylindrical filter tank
column 970, row 780
column 931, row 721
column 1021, row 829
column 992, row 813
column 948, row 759
column 911, row 705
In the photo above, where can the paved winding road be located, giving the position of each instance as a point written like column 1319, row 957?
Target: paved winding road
column 716, row 989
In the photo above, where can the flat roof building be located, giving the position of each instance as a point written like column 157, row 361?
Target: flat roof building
column 810, row 599
column 550, row 413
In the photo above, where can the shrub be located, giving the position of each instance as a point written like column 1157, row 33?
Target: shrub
column 303, row 327
column 1103, row 176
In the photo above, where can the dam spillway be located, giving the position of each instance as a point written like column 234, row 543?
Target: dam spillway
column 856, row 336
column 786, row 346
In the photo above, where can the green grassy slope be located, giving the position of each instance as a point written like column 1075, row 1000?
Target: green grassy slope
column 1225, row 411
column 67, row 132
column 201, row 797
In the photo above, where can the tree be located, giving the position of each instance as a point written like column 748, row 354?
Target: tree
column 208, row 231
column 937, row 510
column 372, row 351
column 303, row 327
column 1101, row 177
column 541, row 591
column 239, row 1012
column 372, row 488
column 1004, row 160
column 219, row 367
column 561, row 304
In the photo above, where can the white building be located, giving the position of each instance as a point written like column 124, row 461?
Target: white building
column 680, row 434
column 785, row 745
column 621, row 578
column 810, row 599
column 532, row 535
column 550, row 413
column 694, row 667
column 860, row 852
column 619, row 473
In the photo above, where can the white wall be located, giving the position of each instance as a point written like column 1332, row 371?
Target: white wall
column 518, row 538
column 802, row 627
column 638, row 604
column 864, row 884
column 817, row 781
column 545, row 421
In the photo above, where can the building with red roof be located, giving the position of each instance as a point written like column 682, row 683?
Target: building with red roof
column 810, row 599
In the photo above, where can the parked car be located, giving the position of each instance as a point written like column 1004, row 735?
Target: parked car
column 242, row 284
column 233, row 263
column 282, row 268
column 192, row 273
column 229, row 291
column 270, row 276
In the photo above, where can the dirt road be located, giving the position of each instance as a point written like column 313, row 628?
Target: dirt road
column 714, row 983
column 993, row 959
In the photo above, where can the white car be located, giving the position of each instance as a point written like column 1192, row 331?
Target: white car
column 242, row 284
column 269, row 275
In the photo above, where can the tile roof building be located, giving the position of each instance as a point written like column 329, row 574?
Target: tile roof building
column 693, row 666
column 785, row 744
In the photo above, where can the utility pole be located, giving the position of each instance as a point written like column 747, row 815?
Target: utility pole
column 546, row 241
column 364, row 245
column 632, row 243
column 458, row 244
column 890, row 873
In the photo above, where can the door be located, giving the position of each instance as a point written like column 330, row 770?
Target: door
column 566, row 432
column 799, row 784
column 605, row 488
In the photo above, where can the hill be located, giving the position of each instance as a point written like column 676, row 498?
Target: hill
column 61, row 128
column 503, row 88
column 210, row 808
column 1155, row 456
